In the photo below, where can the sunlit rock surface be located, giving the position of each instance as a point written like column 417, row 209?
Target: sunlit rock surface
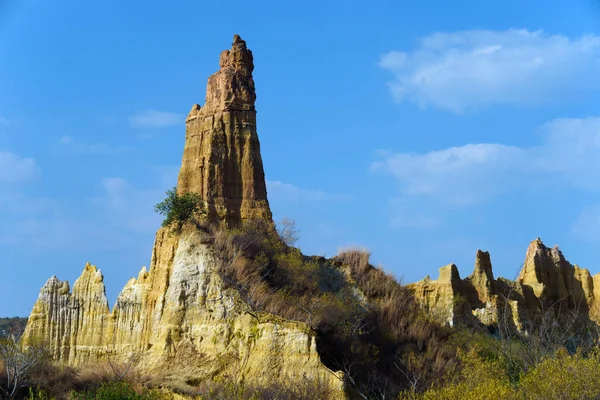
column 546, row 280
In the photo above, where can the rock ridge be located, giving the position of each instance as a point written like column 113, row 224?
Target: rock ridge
column 546, row 279
column 178, row 317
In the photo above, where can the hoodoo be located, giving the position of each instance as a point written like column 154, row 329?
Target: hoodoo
column 221, row 159
column 179, row 319
column 185, row 320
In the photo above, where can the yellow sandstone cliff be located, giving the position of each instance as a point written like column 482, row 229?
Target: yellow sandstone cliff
column 178, row 319
column 546, row 280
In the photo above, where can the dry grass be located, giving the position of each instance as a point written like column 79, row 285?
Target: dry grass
column 415, row 345
column 385, row 339
column 303, row 389
column 275, row 278
column 57, row 381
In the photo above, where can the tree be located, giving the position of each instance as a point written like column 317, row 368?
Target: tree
column 18, row 360
column 287, row 231
column 179, row 208
column 12, row 326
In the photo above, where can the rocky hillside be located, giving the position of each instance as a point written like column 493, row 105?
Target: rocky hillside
column 179, row 316
column 546, row 283
column 226, row 298
column 12, row 326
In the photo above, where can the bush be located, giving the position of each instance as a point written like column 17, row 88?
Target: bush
column 17, row 362
column 115, row 391
column 180, row 208
column 377, row 335
column 302, row 389
column 412, row 348
column 14, row 326
column 563, row 376
column 287, row 231
column 477, row 380
column 560, row 376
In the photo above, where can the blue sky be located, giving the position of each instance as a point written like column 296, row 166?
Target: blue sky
column 422, row 131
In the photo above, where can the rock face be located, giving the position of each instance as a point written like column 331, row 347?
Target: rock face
column 546, row 279
column 179, row 318
column 221, row 159
column 181, row 321
column 67, row 318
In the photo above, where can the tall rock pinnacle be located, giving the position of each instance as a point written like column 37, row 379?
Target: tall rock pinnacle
column 221, row 159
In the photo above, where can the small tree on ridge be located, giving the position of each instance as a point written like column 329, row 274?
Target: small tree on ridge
column 178, row 208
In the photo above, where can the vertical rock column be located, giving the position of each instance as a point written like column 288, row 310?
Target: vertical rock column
column 221, row 159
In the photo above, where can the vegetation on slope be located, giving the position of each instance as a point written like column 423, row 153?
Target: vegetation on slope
column 12, row 326
column 179, row 209
column 371, row 328
column 367, row 325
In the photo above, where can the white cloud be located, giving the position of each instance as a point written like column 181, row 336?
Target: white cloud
column 120, row 215
column 14, row 168
column 467, row 70
column 567, row 156
column 77, row 147
column 457, row 174
column 289, row 192
column 14, row 202
column 154, row 119
column 128, row 206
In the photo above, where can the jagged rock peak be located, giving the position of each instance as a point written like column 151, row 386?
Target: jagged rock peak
column 178, row 316
column 449, row 274
column 239, row 57
column 483, row 264
column 546, row 279
column 482, row 277
column 143, row 274
column 56, row 285
column 89, row 287
column 221, row 158
column 546, row 270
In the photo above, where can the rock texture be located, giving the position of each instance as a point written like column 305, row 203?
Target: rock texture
column 221, row 158
column 546, row 279
column 68, row 319
column 180, row 320
column 177, row 317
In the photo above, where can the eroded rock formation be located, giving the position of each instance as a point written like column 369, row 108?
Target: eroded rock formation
column 546, row 280
column 179, row 318
column 221, row 158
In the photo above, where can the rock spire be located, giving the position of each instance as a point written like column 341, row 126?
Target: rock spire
column 179, row 316
column 546, row 280
column 221, row 159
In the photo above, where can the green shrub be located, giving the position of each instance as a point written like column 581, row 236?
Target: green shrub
column 377, row 335
column 180, row 208
column 114, row 391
